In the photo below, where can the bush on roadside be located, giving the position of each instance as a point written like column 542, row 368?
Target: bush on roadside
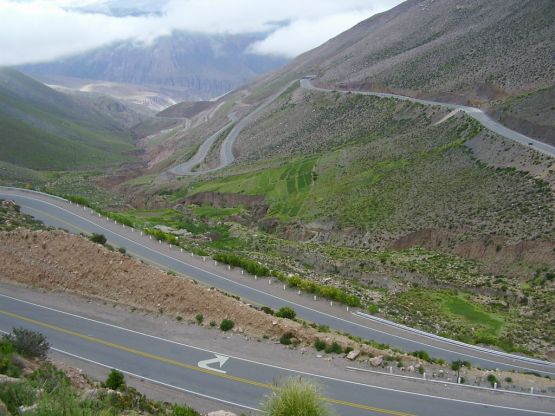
column 115, row 380
column 492, row 379
column 286, row 312
column 98, row 238
column 333, row 348
column 296, row 397
column 319, row 344
column 285, row 339
column 199, row 318
column 28, row 343
column 267, row 310
column 226, row 325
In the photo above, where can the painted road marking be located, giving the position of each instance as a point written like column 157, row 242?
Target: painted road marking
column 220, row 359
column 176, row 363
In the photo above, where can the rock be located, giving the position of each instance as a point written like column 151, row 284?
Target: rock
column 376, row 361
column 27, row 409
column 221, row 413
column 274, row 323
column 353, row 355
column 410, row 368
column 318, row 355
column 6, row 379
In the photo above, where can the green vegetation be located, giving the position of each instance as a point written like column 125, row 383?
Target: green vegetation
column 226, row 325
column 287, row 338
column 296, row 397
column 25, row 342
column 11, row 218
column 333, row 348
column 98, row 238
column 319, row 344
column 199, row 317
column 115, row 380
column 250, row 266
column 286, row 312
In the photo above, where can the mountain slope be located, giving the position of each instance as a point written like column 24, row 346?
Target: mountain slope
column 482, row 53
column 194, row 66
column 41, row 128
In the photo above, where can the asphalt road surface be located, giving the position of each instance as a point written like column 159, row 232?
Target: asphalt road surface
column 59, row 213
column 215, row 375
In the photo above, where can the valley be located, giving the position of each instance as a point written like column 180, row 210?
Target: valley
column 376, row 214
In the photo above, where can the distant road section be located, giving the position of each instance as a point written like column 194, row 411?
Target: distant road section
column 475, row 113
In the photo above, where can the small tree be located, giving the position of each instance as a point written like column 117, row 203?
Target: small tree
column 115, row 380
column 296, row 397
column 28, row 343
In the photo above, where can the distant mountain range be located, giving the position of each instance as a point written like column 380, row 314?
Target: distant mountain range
column 183, row 66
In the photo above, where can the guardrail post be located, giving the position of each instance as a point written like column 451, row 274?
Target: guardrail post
column 314, row 297
column 390, row 370
column 495, row 385
column 531, row 390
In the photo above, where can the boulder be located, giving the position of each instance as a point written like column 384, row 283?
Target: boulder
column 353, row 355
column 376, row 361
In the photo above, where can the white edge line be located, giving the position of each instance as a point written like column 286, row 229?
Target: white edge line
column 294, row 371
column 285, row 300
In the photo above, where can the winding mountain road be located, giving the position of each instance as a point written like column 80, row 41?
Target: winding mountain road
column 226, row 151
column 60, row 213
column 239, row 381
column 473, row 112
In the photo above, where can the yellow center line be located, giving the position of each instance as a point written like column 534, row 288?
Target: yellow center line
column 184, row 365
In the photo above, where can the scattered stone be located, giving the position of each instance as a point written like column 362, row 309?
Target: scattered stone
column 410, row 369
column 353, row 355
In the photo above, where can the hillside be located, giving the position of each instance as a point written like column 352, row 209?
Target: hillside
column 182, row 66
column 44, row 129
column 424, row 214
column 495, row 54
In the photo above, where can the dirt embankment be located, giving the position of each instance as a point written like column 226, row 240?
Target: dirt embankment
column 55, row 260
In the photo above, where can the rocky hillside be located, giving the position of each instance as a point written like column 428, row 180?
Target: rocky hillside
column 496, row 54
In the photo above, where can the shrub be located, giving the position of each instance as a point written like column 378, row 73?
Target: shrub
column 334, row 348
column 286, row 338
column 28, row 343
column 296, row 397
column 115, row 380
column 492, row 379
column 373, row 308
column 122, row 250
column 423, row 355
column 319, row 344
column 98, row 238
column 286, row 312
column 212, row 323
column 199, row 318
column 226, row 325
column 508, row 380
column 267, row 310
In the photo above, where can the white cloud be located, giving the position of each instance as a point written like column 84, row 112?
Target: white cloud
column 41, row 30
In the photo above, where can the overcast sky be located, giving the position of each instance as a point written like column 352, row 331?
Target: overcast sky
column 42, row 30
